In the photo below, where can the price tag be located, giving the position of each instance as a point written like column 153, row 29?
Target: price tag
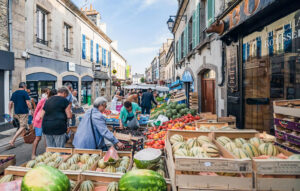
column 207, row 164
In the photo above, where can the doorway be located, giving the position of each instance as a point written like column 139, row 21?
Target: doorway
column 208, row 85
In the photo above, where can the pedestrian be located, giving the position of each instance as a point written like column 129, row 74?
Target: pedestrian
column 45, row 93
column 55, row 113
column 37, row 121
column 115, row 100
column 21, row 102
column 147, row 99
column 75, row 104
column 70, row 89
column 128, row 115
column 133, row 97
column 92, row 129
column 140, row 94
column 33, row 106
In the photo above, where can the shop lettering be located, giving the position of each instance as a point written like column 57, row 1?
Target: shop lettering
column 287, row 37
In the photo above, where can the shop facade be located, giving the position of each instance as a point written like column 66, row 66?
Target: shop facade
column 263, row 62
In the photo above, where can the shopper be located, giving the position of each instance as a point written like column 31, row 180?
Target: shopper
column 33, row 106
column 37, row 121
column 147, row 100
column 21, row 102
column 45, row 92
column 128, row 115
column 115, row 100
column 55, row 113
column 140, row 94
column 133, row 97
column 92, row 129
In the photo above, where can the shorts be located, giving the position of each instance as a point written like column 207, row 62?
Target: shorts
column 23, row 120
column 38, row 131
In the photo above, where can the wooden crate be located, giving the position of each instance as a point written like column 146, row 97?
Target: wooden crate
column 208, row 116
column 182, row 169
column 8, row 163
column 282, row 107
column 276, row 183
column 231, row 120
column 121, row 154
column 218, row 125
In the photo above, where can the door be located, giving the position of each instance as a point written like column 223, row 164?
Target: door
column 208, row 95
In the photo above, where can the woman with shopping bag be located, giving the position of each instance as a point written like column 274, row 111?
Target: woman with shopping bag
column 128, row 115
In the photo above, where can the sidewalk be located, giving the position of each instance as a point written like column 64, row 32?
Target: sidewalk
column 6, row 136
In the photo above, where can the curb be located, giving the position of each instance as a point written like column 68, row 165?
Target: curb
column 6, row 146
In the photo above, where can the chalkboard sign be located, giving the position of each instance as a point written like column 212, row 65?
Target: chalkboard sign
column 232, row 68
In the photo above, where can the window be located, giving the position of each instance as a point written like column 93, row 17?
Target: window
column 103, row 57
column 41, row 26
column 182, row 46
column 210, row 12
column 67, row 30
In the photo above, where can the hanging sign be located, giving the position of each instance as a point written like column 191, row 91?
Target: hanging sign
column 232, row 68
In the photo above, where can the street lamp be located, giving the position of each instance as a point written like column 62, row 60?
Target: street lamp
column 171, row 22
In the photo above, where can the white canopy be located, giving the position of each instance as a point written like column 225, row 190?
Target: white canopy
column 147, row 86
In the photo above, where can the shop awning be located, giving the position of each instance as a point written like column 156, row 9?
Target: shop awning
column 187, row 77
column 101, row 75
column 41, row 76
column 70, row 78
column 86, row 79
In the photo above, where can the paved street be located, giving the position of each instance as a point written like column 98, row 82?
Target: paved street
column 22, row 150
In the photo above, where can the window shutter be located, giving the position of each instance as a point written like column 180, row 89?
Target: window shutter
column 184, row 42
column 91, row 50
column 187, row 39
column 102, row 57
column 194, row 29
column 97, row 53
column 258, row 46
column 270, row 43
column 104, row 53
column 38, row 24
column 197, row 27
column 287, row 38
column 83, row 47
column 45, row 29
column 210, row 12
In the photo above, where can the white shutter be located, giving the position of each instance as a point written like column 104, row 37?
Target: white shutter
column 40, row 25
column 46, row 26
column 37, row 23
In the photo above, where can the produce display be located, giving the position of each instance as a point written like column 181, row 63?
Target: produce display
column 198, row 147
column 142, row 179
column 37, row 178
column 2, row 161
column 48, row 158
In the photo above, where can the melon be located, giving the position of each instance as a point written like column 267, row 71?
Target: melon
column 113, row 186
column 193, row 142
column 203, row 128
column 268, row 149
column 203, row 139
column 256, row 141
column 294, row 157
column 142, row 180
column 176, row 138
column 87, row 186
column 230, row 146
column 213, row 128
column 71, row 161
column 55, row 155
column 196, row 150
column 95, row 156
column 211, row 150
column 179, row 145
column 47, row 154
column 30, row 164
column 51, row 164
column 72, row 184
column 147, row 158
column 58, row 160
column 74, row 167
column 47, row 160
column 7, row 178
column 125, row 158
column 111, row 156
column 124, row 164
column 90, row 161
column 45, row 178
column 181, row 153
column 240, row 153
column 85, row 167
column 63, row 166
column 201, row 155
column 76, row 156
column 39, row 164
column 101, row 164
column 40, row 158
column 161, row 172
column 110, row 169
column 121, row 169
column 239, row 142
column 251, row 150
column 223, row 140
column 84, row 158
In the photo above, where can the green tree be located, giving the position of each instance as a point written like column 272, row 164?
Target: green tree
column 142, row 80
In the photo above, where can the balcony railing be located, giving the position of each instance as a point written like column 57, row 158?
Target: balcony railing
column 42, row 41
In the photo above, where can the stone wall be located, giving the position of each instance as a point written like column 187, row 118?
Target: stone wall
column 4, row 25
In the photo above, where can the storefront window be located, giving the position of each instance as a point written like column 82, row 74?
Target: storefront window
column 86, row 92
column 271, row 63
column 37, row 87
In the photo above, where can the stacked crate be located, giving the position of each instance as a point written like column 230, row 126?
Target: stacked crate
column 287, row 124
column 194, row 100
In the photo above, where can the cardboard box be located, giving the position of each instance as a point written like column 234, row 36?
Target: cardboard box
column 8, row 163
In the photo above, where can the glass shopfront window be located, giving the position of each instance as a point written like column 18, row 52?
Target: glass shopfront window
column 86, row 92
column 271, row 69
column 37, row 87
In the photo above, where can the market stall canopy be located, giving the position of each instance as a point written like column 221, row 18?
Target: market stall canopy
column 101, row 75
column 147, row 86
column 187, row 77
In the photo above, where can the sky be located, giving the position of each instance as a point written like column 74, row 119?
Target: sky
column 139, row 26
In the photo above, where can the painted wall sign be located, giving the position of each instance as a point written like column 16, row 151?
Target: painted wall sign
column 232, row 68
column 71, row 66
column 243, row 11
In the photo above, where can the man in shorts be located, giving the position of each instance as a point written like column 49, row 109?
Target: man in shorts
column 21, row 102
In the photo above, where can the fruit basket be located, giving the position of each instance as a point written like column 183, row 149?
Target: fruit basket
column 215, row 168
column 5, row 161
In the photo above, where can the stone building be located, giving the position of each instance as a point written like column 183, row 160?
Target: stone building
column 6, row 56
column 155, row 69
column 170, row 65
column 148, row 74
column 198, row 55
column 136, row 78
column 61, row 44
column 162, row 60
